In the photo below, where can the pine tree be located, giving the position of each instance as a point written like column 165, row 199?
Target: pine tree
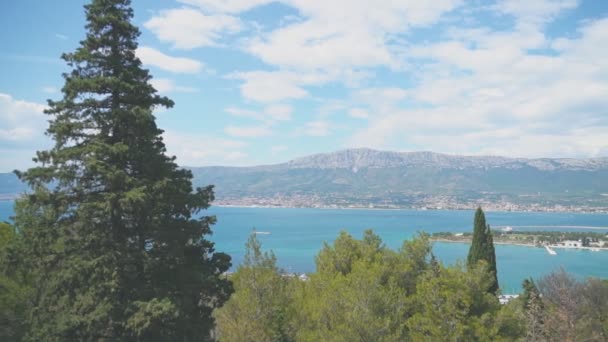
column 534, row 311
column 258, row 309
column 482, row 248
column 13, row 289
column 118, row 249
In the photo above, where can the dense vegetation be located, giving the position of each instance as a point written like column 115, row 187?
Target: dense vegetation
column 363, row 291
column 109, row 245
column 110, row 236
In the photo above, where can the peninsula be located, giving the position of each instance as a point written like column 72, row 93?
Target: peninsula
column 593, row 241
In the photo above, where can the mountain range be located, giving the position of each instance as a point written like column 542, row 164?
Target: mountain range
column 366, row 177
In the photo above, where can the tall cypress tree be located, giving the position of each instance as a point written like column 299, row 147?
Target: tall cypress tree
column 112, row 223
column 482, row 247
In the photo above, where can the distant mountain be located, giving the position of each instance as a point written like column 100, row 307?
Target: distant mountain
column 366, row 177
column 368, row 158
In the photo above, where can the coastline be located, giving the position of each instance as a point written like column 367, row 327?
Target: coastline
column 336, row 207
column 524, row 245
column 329, row 207
column 496, row 243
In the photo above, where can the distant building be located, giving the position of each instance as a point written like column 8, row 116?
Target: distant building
column 572, row 243
column 504, row 299
column 599, row 243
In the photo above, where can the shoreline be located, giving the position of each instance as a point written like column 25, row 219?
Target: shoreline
column 598, row 211
column 254, row 206
column 496, row 243
column 525, row 245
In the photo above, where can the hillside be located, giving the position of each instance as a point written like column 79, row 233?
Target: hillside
column 365, row 177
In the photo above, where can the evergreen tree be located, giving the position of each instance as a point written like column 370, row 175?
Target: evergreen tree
column 118, row 251
column 534, row 311
column 258, row 309
column 13, row 290
column 530, row 291
column 482, row 247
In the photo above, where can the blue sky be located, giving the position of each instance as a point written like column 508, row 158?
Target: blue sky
column 259, row 81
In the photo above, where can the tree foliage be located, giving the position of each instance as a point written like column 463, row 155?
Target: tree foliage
column 259, row 308
column 111, row 223
column 356, row 294
column 364, row 291
column 534, row 311
column 455, row 305
column 482, row 248
column 14, row 289
column 574, row 310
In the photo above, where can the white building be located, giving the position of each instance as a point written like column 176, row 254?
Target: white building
column 504, row 299
column 572, row 243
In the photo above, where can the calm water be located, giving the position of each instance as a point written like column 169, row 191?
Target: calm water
column 298, row 234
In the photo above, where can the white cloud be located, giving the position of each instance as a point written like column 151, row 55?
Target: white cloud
column 151, row 56
column 22, row 127
column 188, row 28
column 334, row 41
column 344, row 34
column 467, row 89
column 248, row 131
column 358, row 113
column 536, row 12
column 270, row 115
column 279, row 112
column 380, row 97
column 225, row 6
column 495, row 97
column 275, row 86
column 503, row 141
column 366, row 103
column 199, row 150
column 165, row 85
column 61, row 36
column 309, row 45
column 20, row 121
column 317, row 128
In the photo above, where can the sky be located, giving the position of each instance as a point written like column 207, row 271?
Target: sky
column 260, row 82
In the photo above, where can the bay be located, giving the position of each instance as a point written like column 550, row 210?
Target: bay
column 296, row 236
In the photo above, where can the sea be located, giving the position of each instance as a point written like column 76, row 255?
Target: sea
column 296, row 235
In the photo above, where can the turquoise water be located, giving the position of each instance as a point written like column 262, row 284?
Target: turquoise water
column 298, row 234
